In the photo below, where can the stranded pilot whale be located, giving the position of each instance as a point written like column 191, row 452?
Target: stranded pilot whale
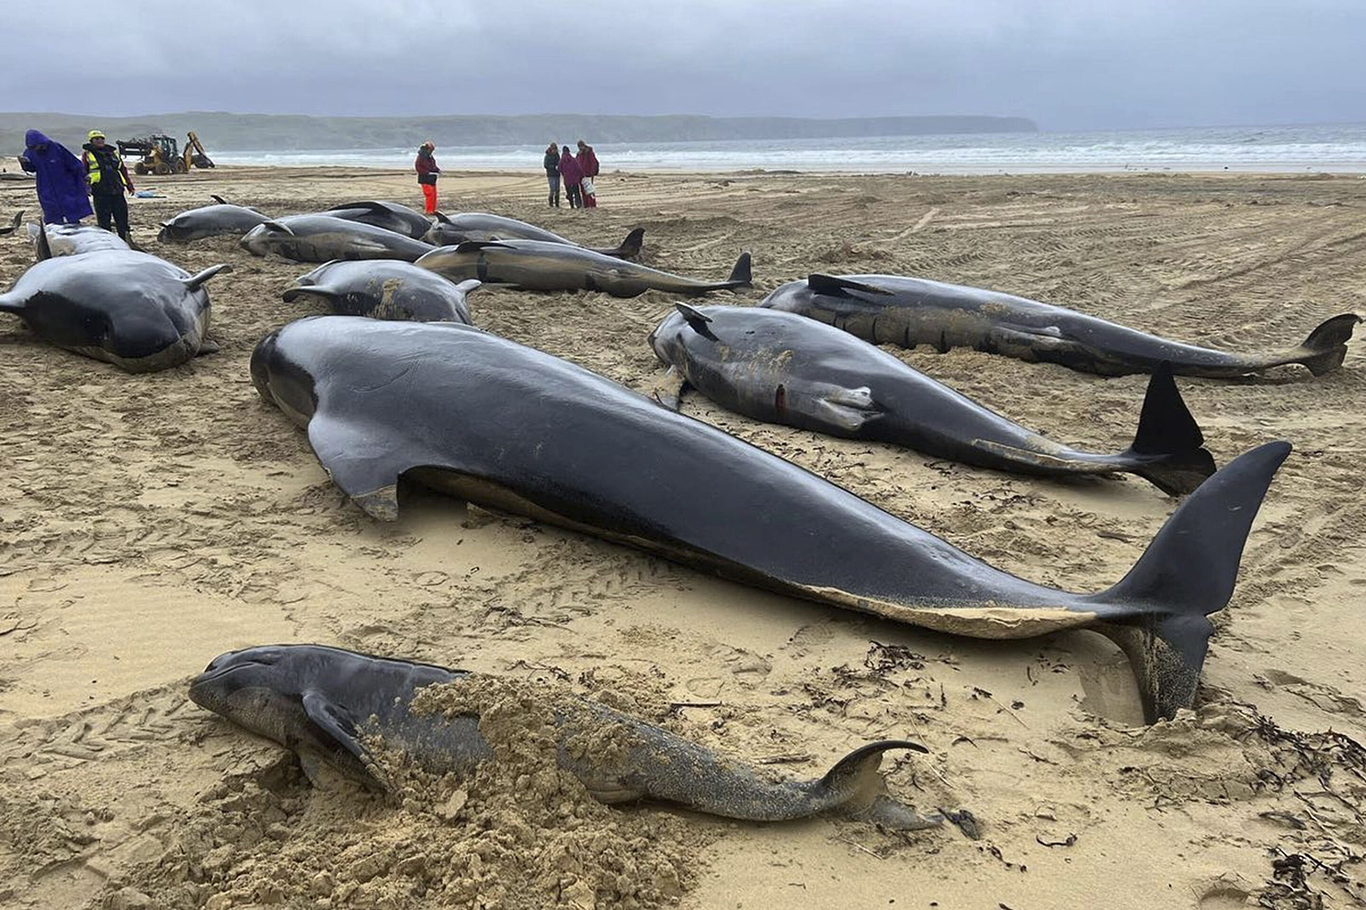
column 131, row 309
column 385, row 289
column 216, row 220
column 783, row 368
column 505, row 426
column 326, row 704
column 322, row 238
column 536, row 265
column 890, row 309
column 454, row 229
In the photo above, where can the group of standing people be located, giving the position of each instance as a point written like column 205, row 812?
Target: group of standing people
column 576, row 172
column 67, row 185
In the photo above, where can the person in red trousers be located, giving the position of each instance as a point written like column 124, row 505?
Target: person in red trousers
column 427, row 172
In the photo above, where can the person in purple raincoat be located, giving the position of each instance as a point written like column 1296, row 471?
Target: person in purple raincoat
column 60, row 177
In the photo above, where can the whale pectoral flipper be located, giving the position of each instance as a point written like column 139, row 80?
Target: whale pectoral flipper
column 668, row 389
column 340, row 728
column 364, row 462
column 696, row 319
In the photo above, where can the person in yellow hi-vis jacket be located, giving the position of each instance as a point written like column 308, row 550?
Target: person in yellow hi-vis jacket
column 108, row 179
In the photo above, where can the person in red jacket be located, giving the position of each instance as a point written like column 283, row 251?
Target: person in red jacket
column 573, row 175
column 588, row 163
column 427, row 172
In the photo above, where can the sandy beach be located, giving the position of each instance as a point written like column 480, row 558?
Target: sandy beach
column 150, row 522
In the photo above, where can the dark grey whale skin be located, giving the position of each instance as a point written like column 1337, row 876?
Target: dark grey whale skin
column 505, row 426
column 535, row 265
column 892, row 309
column 218, row 220
column 322, row 238
column 448, row 230
column 782, row 368
column 392, row 216
column 322, row 702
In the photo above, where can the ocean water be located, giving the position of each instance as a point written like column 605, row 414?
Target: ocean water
column 1284, row 149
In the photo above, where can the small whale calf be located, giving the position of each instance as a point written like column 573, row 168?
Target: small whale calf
column 326, row 704
column 221, row 219
column 385, row 289
column 891, row 309
column 322, row 238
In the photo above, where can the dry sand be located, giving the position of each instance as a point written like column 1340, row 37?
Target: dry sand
column 148, row 523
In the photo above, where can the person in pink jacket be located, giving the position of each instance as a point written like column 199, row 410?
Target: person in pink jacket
column 588, row 163
column 573, row 176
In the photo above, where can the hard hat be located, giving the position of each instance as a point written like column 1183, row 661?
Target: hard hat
column 94, row 134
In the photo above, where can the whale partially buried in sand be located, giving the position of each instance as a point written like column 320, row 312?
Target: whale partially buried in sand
column 335, row 708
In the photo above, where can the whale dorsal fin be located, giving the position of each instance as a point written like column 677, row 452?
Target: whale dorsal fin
column 441, row 216
column 44, row 248
column 217, row 198
column 835, row 286
column 279, row 226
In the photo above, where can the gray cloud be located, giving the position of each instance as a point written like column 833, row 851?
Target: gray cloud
column 1110, row 63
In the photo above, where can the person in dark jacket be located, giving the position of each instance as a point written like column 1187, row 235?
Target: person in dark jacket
column 60, row 177
column 573, row 175
column 552, row 173
column 427, row 172
column 588, row 163
column 108, row 180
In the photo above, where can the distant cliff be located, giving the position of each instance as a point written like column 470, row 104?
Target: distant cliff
column 289, row 132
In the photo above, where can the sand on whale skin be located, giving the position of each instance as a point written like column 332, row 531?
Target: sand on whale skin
column 148, row 523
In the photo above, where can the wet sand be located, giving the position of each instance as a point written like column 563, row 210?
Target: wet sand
column 148, row 523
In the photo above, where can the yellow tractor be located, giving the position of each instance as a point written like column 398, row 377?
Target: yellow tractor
column 162, row 155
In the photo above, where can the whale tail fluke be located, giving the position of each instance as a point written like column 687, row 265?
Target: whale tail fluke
column 1168, row 449
column 1157, row 613
column 1323, row 351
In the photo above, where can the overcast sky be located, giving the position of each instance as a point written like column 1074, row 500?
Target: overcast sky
column 1067, row 64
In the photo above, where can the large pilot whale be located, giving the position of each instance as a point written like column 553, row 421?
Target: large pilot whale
column 783, row 368
column 512, row 428
column 326, row 703
column 890, row 309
